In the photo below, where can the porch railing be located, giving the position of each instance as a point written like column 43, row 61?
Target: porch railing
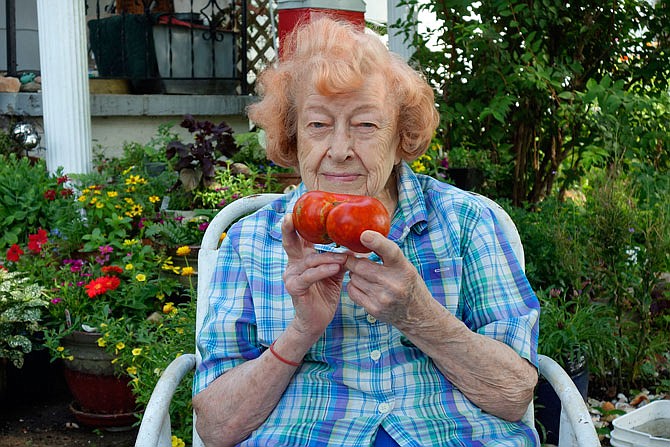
column 197, row 47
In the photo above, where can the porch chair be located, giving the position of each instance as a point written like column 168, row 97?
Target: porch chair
column 576, row 426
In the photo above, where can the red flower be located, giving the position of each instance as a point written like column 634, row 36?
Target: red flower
column 14, row 253
column 102, row 285
column 62, row 179
column 112, row 269
column 35, row 241
column 50, row 194
column 66, row 192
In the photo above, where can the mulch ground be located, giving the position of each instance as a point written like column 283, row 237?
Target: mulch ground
column 34, row 411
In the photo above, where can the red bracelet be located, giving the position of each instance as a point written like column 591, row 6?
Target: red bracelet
column 280, row 358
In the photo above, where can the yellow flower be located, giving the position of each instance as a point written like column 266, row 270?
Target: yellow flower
column 102, row 342
column 137, row 351
column 168, row 307
column 129, row 242
column 120, row 345
column 99, row 205
column 70, row 357
column 112, row 193
column 135, row 180
column 129, row 201
column 187, row 271
column 129, row 267
column 154, row 199
column 141, row 277
column 418, row 167
column 132, row 370
column 82, row 198
column 160, row 296
column 127, row 170
column 60, row 349
column 184, row 250
column 180, row 331
column 177, row 442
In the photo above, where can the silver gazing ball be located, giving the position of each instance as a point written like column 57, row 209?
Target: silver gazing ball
column 26, row 135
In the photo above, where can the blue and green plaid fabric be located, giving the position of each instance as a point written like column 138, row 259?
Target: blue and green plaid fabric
column 363, row 373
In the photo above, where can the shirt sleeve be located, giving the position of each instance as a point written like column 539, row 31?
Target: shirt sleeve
column 228, row 335
column 499, row 301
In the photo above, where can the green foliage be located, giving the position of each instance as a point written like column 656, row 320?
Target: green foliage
column 24, row 202
column 548, row 89
column 6, row 144
column 176, row 231
column 229, row 186
column 144, row 348
column 601, row 254
column 22, row 304
column 573, row 328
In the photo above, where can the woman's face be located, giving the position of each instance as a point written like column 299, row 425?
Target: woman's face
column 348, row 143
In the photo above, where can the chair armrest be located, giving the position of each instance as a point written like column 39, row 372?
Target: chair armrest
column 155, row 428
column 577, row 427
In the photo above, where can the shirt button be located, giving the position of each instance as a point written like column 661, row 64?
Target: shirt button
column 384, row 407
column 371, row 319
column 375, row 355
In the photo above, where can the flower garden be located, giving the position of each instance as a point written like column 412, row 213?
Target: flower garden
column 100, row 252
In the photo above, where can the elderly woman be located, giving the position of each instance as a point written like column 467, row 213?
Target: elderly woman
column 430, row 340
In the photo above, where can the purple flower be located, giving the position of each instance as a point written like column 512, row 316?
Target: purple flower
column 75, row 264
column 56, row 300
column 445, row 163
column 105, row 249
column 203, row 226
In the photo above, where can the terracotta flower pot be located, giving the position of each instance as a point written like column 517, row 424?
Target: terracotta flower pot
column 102, row 399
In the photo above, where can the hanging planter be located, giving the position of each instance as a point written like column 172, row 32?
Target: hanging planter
column 102, row 398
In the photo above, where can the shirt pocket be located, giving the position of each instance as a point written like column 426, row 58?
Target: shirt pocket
column 443, row 279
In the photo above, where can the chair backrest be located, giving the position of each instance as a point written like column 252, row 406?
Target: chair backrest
column 210, row 244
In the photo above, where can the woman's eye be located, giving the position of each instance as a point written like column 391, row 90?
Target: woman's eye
column 366, row 126
column 317, row 124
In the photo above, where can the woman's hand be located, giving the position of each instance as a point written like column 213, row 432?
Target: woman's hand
column 393, row 291
column 314, row 281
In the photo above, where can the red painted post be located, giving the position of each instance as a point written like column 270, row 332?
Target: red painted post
column 292, row 12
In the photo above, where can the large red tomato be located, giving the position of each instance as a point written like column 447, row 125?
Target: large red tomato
column 322, row 217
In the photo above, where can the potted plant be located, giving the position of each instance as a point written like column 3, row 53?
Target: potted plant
column 579, row 335
column 196, row 162
column 464, row 167
column 214, row 169
column 94, row 267
column 22, row 304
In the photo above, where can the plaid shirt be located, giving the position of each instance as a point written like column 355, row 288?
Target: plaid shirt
column 363, row 373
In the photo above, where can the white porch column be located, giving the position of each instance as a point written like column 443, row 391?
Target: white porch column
column 397, row 42
column 65, row 94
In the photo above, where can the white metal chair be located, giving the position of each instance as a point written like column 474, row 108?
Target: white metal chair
column 576, row 427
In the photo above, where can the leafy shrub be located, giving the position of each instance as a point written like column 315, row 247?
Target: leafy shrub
column 25, row 201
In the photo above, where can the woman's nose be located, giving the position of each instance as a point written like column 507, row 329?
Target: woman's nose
column 341, row 145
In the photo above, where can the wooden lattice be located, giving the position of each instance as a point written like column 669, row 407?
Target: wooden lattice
column 260, row 46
